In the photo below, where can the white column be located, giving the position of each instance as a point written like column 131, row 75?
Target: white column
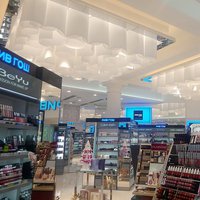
column 192, row 109
column 113, row 100
column 70, row 113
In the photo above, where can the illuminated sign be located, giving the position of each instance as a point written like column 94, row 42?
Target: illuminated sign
column 49, row 105
column 17, row 82
column 138, row 114
column 14, row 61
column 142, row 115
column 108, row 120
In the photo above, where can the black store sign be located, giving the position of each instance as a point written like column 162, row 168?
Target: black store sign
column 138, row 115
column 13, row 80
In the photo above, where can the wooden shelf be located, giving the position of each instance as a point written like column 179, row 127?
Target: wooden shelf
column 144, row 193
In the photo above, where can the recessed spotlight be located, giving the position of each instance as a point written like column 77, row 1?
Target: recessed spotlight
column 78, row 79
column 195, row 88
column 70, row 102
column 94, row 95
column 130, row 67
column 69, row 91
column 48, row 54
column 79, row 100
column 64, row 65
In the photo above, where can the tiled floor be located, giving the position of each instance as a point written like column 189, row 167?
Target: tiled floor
column 65, row 185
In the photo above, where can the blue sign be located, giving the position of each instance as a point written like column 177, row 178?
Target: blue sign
column 142, row 115
column 108, row 120
column 14, row 61
column 190, row 122
column 147, row 79
column 49, row 105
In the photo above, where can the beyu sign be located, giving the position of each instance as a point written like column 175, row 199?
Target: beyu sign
column 49, row 105
column 14, row 61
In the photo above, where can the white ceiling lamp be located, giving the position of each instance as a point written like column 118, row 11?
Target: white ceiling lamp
column 65, row 65
column 69, row 91
column 98, row 31
column 194, row 88
column 76, row 28
column 170, row 77
column 60, row 20
column 117, row 37
column 48, row 54
column 91, row 40
column 135, row 43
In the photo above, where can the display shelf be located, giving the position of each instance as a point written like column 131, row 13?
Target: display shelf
column 149, row 167
column 15, row 125
column 11, row 157
column 16, row 186
column 180, row 175
column 144, row 193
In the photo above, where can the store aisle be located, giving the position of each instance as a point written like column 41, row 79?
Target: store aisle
column 65, row 186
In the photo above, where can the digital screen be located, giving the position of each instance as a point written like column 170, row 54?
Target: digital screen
column 142, row 115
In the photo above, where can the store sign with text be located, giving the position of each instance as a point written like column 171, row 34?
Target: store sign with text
column 138, row 114
column 14, row 61
column 49, row 105
column 15, row 81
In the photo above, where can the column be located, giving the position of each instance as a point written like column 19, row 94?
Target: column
column 113, row 108
column 70, row 113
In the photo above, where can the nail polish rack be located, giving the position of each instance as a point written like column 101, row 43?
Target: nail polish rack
column 181, row 179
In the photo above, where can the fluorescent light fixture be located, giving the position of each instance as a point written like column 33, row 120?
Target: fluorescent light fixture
column 130, row 67
column 64, row 65
column 24, row 95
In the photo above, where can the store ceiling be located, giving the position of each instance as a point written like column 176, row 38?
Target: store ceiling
column 177, row 19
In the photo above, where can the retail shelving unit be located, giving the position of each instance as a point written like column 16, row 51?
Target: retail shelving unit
column 126, row 172
column 112, row 142
column 151, row 161
column 63, row 150
column 181, row 179
column 78, row 142
column 19, row 108
column 157, row 133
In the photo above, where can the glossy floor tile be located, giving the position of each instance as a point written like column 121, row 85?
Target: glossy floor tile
column 65, row 185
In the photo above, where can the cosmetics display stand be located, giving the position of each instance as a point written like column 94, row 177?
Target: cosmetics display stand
column 151, row 161
column 112, row 142
column 89, row 192
column 157, row 133
column 63, row 148
column 181, row 178
column 78, row 142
